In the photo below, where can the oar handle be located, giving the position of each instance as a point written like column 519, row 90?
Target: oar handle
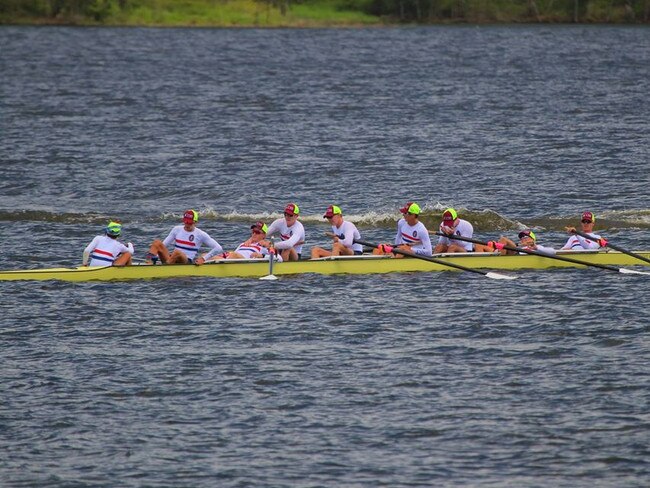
column 536, row 253
column 606, row 243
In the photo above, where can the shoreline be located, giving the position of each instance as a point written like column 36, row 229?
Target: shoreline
column 318, row 25
column 318, row 13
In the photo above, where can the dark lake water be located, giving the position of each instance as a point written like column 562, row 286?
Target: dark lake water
column 441, row 379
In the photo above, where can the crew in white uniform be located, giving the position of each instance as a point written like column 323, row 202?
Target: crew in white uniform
column 187, row 240
column 291, row 232
column 106, row 250
column 577, row 242
column 451, row 225
column 412, row 235
column 344, row 234
column 255, row 247
column 527, row 240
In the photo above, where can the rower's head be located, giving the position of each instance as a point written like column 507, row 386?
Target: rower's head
column 334, row 215
column 291, row 213
column 450, row 218
column 113, row 229
column 190, row 218
column 587, row 221
column 411, row 212
column 258, row 231
column 527, row 238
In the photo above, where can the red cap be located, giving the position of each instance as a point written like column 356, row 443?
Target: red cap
column 259, row 226
column 448, row 219
column 405, row 208
column 190, row 217
column 292, row 209
column 588, row 216
column 331, row 211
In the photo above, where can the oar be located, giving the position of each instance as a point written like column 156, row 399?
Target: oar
column 489, row 274
column 270, row 276
column 604, row 242
column 550, row 256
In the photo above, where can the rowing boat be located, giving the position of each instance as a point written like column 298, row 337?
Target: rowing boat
column 367, row 264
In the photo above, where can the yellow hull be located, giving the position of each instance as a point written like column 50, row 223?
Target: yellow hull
column 346, row 265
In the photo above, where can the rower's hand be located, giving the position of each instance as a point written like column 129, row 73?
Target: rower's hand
column 570, row 230
column 447, row 230
column 199, row 261
column 385, row 248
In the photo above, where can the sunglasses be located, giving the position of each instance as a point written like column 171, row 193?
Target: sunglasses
column 288, row 214
column 586, row 221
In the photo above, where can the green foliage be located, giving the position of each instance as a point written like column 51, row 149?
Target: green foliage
column 318, row 12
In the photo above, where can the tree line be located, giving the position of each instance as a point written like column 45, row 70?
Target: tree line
column 405, row 11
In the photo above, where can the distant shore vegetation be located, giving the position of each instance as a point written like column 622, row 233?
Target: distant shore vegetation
column 318, row 13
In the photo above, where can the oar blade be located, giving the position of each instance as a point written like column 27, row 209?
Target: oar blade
column 632, row 271
column 499, row 276
column 269, row 277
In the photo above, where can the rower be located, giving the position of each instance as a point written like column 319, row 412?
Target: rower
column 187, row 240
column 291, row 232
column 412, row 235
column 344, row 234
column 453, row 225
column 527, row 240
column 255, row 247
column 577, row 242
column 106, row 250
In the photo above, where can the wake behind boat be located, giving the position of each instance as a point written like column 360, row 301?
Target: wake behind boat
column 364, row 264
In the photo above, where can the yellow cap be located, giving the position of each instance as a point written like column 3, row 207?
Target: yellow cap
column 410, row 207
column 331, row 211
column 114, row 229
column 449, row 214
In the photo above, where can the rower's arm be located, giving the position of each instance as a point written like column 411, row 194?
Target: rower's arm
column 214, row 245
column 588, row 243
column 348, row 237
column 170, row 238
column 294, row 240
column 426, row 245
column 289, row 243
column 549, row 251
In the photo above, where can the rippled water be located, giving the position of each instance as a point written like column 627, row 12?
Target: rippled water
column 440, row 379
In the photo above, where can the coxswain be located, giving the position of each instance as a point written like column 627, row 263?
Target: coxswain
column 344, row 233
column 255, row 247
column 187, row 240
column 291, row 232
column 106, row 250
column 527, row 241
column 576, row 242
